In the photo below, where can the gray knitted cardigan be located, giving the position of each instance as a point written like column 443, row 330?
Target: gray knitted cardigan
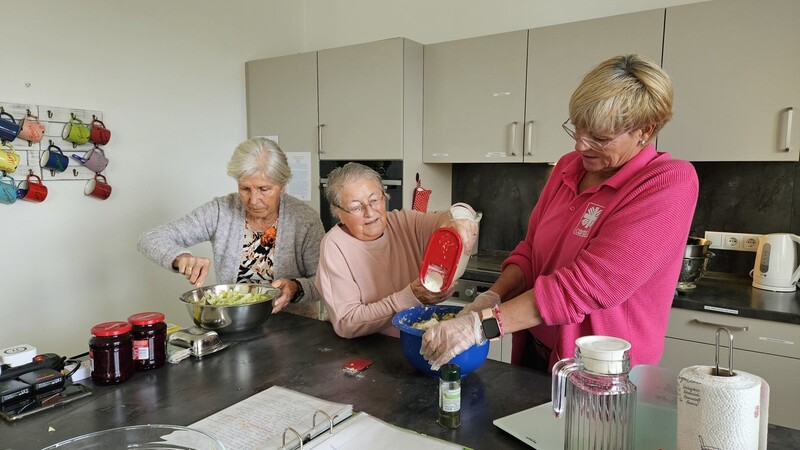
column 221, row 221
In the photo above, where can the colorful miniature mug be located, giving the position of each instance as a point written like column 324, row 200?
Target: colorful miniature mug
column 98, row 188
column 9, row 159
column 76, row 132
column 32, row 191
column 95, row 159
column 9, row 128
column 100, row 135
column 31, row 129
column 53, row 159
column 8, row 190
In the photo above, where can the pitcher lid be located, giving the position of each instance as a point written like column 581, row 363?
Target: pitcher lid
column 605, row 348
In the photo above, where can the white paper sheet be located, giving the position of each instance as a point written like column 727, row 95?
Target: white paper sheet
column 300, row 184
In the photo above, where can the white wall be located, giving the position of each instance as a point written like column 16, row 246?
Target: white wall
column 169, row 79
column 331, row 24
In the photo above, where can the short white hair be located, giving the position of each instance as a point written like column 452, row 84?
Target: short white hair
column 260, row 156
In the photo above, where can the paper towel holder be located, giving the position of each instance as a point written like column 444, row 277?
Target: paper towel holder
column 729, row 371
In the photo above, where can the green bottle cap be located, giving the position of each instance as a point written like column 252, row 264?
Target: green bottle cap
column 450, row 372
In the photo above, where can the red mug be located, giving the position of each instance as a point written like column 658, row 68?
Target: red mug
column 32, row 191
column 31, row 129
column 97, row 188
column 100, row 135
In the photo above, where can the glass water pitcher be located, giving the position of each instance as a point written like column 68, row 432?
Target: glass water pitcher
column 595, row 396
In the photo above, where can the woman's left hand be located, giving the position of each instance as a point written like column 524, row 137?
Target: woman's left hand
column 427, row 297
column 288, row 289
column 444, row 341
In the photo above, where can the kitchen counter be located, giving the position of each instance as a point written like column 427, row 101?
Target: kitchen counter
column 305, row 355
column 715, row 292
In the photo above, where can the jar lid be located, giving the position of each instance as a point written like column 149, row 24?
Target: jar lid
column 111, row 329
column 146, row 318
column 450, row 372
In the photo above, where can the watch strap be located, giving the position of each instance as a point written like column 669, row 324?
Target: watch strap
column 300, row 292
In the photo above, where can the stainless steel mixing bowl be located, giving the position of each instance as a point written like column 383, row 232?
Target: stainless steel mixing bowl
column 696, row 247
column 229, row 318
column 692, row 270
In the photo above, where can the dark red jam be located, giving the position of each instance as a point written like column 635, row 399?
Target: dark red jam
column 149, row 340
column 111, row 353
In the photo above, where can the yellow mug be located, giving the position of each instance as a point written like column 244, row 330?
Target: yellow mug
column 9, row 159
column 76, row 132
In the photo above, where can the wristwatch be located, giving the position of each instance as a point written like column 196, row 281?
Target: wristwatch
column 491, row 329
column 299, row 294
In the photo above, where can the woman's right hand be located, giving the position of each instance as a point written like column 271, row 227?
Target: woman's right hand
column 194, row 268
column 488, row 299
column 427, row 297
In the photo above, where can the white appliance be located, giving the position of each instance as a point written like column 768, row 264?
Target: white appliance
column 776, row 267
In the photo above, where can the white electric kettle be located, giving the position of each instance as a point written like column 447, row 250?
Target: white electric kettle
column 776, row 267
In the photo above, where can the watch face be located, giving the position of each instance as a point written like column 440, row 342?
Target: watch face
column 490, row 328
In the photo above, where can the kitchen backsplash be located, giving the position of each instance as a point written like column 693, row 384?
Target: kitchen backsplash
column 741, row 197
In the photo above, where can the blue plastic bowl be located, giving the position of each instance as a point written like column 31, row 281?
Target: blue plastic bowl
column 411, row 340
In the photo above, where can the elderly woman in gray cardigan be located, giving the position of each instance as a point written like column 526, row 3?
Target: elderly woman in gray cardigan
column 258, row 235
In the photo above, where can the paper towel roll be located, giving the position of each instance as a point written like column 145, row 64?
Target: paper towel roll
column 720, row 412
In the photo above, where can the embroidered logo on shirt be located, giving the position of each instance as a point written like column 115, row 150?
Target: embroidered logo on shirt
column 588, row 219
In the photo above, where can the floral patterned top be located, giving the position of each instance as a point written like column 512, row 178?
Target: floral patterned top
column 258, row 252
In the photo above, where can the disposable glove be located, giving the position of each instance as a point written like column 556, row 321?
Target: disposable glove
column 444, row 341
column 488, row 299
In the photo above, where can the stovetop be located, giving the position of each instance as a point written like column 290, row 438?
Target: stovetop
column 485, row 266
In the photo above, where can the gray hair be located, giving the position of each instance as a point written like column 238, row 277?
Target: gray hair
column 342, row 176
column 260, row 156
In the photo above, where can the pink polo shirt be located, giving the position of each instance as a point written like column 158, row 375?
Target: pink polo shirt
column 606, row 261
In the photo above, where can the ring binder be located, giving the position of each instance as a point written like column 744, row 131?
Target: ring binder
column 299, row 438
column 314, row 420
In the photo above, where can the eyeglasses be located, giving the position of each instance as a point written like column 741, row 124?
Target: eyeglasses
column 376, row 204
column 598, row 146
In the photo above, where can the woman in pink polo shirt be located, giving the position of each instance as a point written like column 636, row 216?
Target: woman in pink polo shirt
column 605, row 241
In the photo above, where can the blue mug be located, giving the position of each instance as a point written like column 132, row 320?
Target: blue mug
column 53, row 159
column 9, row 129
column 8, row 190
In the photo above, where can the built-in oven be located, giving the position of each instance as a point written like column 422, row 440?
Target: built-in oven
column 391, row 172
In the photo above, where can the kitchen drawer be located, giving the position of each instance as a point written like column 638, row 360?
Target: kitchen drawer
column 763, row 336
column 781, row 374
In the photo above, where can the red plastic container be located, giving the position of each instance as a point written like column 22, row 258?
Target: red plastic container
column 440, row 263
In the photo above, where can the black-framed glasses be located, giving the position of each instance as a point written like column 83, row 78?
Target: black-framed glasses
column 598, row 146
column 376, row 204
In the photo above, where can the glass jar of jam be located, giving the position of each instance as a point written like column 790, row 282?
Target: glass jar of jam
column 149, row 340
column 111, row 353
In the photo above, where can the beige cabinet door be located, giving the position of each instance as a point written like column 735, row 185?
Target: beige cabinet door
column 474, row 99
column 558, row 58
column 282, row 102
column 735, row 67
column 361, row 101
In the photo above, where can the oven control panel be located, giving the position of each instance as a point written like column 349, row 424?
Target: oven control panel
column 467, row 290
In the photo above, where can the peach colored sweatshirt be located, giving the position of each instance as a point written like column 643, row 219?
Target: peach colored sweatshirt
column 365, row 283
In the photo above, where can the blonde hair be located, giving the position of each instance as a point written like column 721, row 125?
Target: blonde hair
column 260, row 156
column 624, row 93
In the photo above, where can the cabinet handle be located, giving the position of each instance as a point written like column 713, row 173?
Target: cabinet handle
column 528, row 138
column 786, row 136
column 513, row 139
column 720, row 325
column 319, row 138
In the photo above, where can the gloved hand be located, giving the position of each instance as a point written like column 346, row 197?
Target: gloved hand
column 488, row 299
column 444, row 341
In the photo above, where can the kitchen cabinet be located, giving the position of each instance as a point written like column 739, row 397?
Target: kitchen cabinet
column 558, row 58
column 370, row 100
column 477, row 108
column 735, row 67
column 764, row 348
column 282, row 102
column 475, row 99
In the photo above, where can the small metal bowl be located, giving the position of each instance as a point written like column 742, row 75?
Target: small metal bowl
column 696, row 247
column 201, row 342
column 229, row 318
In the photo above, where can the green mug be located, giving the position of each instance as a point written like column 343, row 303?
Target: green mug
column 76, row 132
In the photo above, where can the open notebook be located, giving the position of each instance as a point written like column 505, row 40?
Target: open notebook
column 260, row 422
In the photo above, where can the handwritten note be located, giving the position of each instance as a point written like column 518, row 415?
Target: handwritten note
column 259, row 421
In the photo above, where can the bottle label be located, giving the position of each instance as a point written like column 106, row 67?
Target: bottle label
column 91, row 361
column 141, row 350
column 451, row 399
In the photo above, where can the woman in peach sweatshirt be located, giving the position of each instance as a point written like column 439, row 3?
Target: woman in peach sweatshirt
column 369, row 262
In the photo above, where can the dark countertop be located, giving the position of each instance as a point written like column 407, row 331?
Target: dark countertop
column 715, row 292
column 305, row 355
column 301, row 354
